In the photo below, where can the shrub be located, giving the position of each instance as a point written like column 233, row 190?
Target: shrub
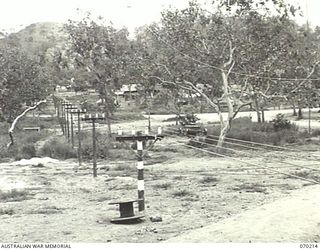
column 244, row 129
column 58, row 148
column 28, row 151
column 106, row 148
column 315, row 132
column 242, row 121
column 280, row 122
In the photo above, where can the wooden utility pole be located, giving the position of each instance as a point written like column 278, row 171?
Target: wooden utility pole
column 78, row 112
column 140, row 140
column 69, row 110
column 93, row 118
column 60, row 113
column 67, row 127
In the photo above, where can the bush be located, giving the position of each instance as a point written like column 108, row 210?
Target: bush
column 59, row 149
column 106, row 148
column 27, row 152
column 280, row 123
column 244, row 129
column 315, row 132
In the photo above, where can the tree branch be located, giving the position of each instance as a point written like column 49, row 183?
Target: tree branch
column 272, row 96
column 307, row 78
column 12, row 127
column 165, row 67
column 230, row 61
column 240, row 107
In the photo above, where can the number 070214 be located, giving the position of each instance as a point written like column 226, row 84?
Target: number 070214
column 309, row 245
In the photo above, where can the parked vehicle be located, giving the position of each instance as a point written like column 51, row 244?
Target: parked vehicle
column 188, row 125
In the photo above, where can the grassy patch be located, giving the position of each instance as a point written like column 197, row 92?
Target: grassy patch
column 182, row 193
column 8, row 211
column 14, row 195
column 39, row 165
column 250, row 187
column 47, row 210
column 208, row 179
column 304, row 174
column 122, row 167
column 123, row 115
column 164, row 185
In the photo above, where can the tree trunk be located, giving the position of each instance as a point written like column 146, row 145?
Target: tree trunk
column 262, row 114
column 257, row 110
column 108, row 123
column 294, row 108
column 300, row 116
column 225, row 126
column 294, row 111
column 223, row 133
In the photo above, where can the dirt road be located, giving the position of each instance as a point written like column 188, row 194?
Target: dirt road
column 295, row 218
column 187, row 189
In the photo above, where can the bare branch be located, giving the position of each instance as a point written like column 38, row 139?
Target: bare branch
column 231, row 67
column 12, row 127
column 272, row 96
column 205, row 46
column 165, row 67
column 240, row 107
column 307, row 78
column 216, row 107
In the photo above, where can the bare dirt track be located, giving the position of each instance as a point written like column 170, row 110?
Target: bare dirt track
column 295, row 218
column 188, row 188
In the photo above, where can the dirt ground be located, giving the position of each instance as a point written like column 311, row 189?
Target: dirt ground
column 188, row 189
column 291, row 219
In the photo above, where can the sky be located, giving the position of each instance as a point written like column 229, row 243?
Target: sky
column 17, row 14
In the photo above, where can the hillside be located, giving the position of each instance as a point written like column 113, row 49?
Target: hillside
column 39, row 38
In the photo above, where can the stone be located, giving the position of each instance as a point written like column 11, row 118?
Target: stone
column 156, row 218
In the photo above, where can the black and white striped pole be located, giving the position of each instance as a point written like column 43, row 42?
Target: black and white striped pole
column 140, row 168
column 93, row 118
column 140, row 140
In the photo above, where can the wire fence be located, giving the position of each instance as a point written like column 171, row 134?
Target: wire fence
column 255, row 165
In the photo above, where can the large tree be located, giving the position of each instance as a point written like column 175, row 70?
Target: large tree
column 231, row 57
column 103, row 52
column 22, row 81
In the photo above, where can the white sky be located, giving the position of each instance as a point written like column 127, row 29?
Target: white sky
column 16, row 14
